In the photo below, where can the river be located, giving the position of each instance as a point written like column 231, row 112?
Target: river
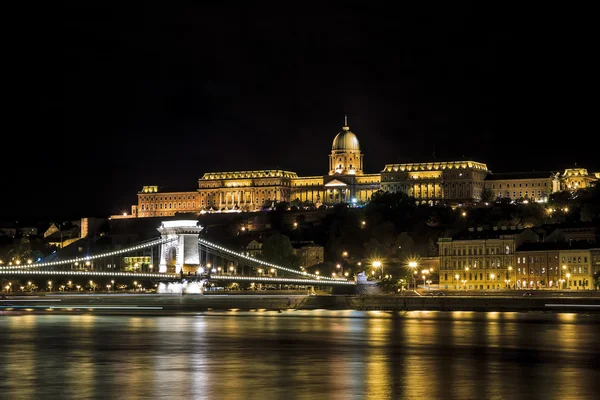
column 301, row 355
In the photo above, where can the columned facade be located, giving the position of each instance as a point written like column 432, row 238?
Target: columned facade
column 243, row 190
column 447, row 182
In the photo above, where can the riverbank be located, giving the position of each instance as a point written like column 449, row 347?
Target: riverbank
column 174, row 303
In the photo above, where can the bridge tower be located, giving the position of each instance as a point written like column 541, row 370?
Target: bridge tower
column 183, row 249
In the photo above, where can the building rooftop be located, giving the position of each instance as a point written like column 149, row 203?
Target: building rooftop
column 519, row 175
column 434, row 166
column 167, row 189
column 545, row 246
column 479, row 233
column 263, row 173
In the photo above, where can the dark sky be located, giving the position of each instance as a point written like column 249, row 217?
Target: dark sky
column 117, row 96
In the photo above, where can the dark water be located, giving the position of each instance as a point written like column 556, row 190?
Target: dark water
column 301, row 355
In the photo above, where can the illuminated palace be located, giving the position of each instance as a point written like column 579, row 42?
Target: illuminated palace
column 439, row 182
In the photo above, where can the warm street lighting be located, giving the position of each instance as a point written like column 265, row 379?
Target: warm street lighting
column 378, row 264
column 295, row 224
column 338, row 266
column 560, row 272
column 344, row 254
column 413, row 264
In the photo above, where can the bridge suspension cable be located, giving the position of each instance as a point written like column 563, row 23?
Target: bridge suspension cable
column 216, row 247
column 138, row 246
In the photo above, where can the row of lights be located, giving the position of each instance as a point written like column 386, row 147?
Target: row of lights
column 209, row 244
column 291, row 280
column 141, row 275
column 113, row 253
column 70, row 284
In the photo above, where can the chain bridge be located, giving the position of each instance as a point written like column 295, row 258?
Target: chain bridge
column 178, row 255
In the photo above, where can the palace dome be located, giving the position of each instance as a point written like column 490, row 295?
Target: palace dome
column 345, row 140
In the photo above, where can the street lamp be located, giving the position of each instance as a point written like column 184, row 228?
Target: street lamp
column 413, row 264
column 456, row 277
column 568, row 279
column 564, row 268
column 377, row 264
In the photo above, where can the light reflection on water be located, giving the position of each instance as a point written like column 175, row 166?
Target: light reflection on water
column 301, row 354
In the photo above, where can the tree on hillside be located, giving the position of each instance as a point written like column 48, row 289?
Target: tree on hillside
column 587, row 213
column 278, row 249
column 487, row 195
column 405, row 245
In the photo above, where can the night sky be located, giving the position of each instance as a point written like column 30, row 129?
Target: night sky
column 115, row 97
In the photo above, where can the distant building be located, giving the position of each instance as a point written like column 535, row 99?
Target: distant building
column 537, row 185
column 62, row 234
column 433, row 183
column 308, row 253
column 253, row 248
column 481, row 259
column 453, row 182
column 533, row 186
column 557, row 265
column 578, row 178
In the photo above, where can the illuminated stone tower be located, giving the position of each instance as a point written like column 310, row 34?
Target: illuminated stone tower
column 345, row 157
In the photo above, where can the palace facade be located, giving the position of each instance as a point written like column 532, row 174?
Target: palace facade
column 439, row 182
